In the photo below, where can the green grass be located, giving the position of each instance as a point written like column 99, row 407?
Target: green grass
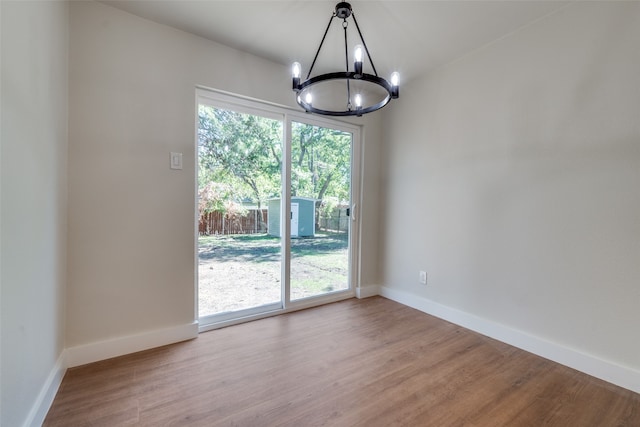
column 308, row 246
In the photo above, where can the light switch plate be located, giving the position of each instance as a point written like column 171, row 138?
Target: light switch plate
column 423, row 277
column 176, row 160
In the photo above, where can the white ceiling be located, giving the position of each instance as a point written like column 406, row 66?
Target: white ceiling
column 408, row 36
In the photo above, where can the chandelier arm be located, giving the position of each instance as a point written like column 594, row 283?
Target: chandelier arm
column 340, row 75
column 366, row 49
column 320, row 47
column 311, row 109
column 348, row 76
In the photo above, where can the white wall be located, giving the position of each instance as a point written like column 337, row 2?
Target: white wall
column 513, row 179
column 131, row 218
column 369, row 212
column 34, row 205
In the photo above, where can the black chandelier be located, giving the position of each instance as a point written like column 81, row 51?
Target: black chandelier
column 365, row 92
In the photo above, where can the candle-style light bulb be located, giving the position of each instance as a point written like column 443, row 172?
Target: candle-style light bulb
column 358, row 101
column 308, row 98
column 395, row 81
column 358, row 53
column 296, row 70
column 357, row 59
column 395, row 78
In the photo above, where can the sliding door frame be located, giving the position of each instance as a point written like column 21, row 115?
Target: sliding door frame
column 225, row 100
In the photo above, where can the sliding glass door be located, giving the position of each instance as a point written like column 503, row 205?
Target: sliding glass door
column 275, row 212
column 320, row 209
column 239, row 173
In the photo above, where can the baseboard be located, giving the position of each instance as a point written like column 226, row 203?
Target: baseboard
column 40, row 408
column 89, row 353
column 605, row 370
column 367, row 291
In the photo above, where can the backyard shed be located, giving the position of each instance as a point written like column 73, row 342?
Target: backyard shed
column 302, row 214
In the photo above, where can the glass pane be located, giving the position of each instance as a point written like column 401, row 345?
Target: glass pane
column 238, row 176
column 320, row 202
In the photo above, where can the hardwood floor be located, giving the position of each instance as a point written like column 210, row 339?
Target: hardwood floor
column 368, row 362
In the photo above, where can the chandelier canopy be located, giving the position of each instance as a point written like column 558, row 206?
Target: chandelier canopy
column 344, row 93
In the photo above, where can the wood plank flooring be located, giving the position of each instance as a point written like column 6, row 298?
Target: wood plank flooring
column 369, row 362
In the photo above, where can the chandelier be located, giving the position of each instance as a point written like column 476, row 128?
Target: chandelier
column 344, row 93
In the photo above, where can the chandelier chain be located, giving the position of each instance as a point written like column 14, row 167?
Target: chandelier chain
column 345, row 24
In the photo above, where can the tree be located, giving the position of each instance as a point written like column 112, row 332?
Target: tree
column 244, row 151
column 215, row 197
column 321, row 160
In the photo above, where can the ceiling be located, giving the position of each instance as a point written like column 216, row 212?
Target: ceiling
column 406, row 36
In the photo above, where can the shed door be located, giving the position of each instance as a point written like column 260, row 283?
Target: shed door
column 295, row 209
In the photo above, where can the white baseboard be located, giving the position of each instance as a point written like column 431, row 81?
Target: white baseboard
column 367, row 291
column 605, row 370
column 89, row 353
column 40, row 408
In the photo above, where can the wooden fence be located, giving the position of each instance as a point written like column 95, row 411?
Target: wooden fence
column 220, row 223
column 336, row 220
column 250, row 223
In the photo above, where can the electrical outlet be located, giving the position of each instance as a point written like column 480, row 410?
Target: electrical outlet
column 423, row 277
